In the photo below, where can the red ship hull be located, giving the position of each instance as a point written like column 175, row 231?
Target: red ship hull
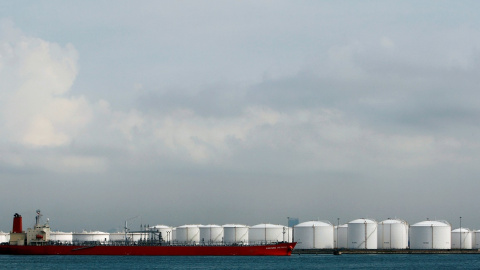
column 281, row 249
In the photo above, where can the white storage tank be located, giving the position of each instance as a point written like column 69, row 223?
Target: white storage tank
column 430, row 234
column 163, row 231
column 476, row 239
column 340, row 237
column 462, row 238
column 266, row 233
column 392, row 234
column 188, row 234
column 211, row 234
column 288, row 236
column 95, row 236
column 4, row 237
column 116, row 237
column 362, row 234
column 235, row 233
column 62, row 237
column 313, row 235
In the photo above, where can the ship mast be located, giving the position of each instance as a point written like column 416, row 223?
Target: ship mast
column 37, row 218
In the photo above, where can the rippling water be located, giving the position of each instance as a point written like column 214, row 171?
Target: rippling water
column 383, row 261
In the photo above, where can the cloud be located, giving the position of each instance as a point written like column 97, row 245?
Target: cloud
column 37, row 113
column 35, row 78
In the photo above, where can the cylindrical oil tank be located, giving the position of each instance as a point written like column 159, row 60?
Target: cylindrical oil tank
column 161, row 231
column 362, row 234
column 431, row 234
column 340, row 237
column 462, row 238
column 266, row 233
column 4, row 237
column 211, row 234
column 188, row 234
column 288, row 236
column 476, row 239
column 95, row 236
column 313, row 235
column 235, row 234
column 118, row 236
column 392, row 234
column 62, row 237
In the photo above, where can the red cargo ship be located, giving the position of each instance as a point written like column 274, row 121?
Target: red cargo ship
column 36, row 242
column 280, row 249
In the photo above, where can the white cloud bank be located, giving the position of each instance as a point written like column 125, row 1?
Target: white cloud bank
column 35, row 77
column 36, row 110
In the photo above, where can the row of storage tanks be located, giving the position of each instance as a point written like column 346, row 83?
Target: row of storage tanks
column 357, row 234
column 388, row 234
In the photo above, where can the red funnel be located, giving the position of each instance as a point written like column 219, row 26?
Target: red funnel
column 17, row 223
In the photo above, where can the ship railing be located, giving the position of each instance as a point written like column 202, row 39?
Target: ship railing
column 220, row 243
column 264, row 242
column 157, row 243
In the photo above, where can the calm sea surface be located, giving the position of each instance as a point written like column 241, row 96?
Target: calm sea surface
column 384, row 261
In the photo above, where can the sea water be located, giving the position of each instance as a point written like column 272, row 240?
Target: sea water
column 345, row 261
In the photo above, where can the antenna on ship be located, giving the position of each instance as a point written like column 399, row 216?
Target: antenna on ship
column 37, row 218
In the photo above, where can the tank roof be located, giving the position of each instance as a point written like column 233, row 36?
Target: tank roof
column 267, row 226
column 463, row 230
column 234, row 225
column 210, row 226
column 435, row 223
column 314, row 223
column 393, row 221
column 363, row 220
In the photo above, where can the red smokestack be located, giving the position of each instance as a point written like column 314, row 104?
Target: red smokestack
column 17, row 223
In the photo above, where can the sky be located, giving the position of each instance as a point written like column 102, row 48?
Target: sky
column 216, row 112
